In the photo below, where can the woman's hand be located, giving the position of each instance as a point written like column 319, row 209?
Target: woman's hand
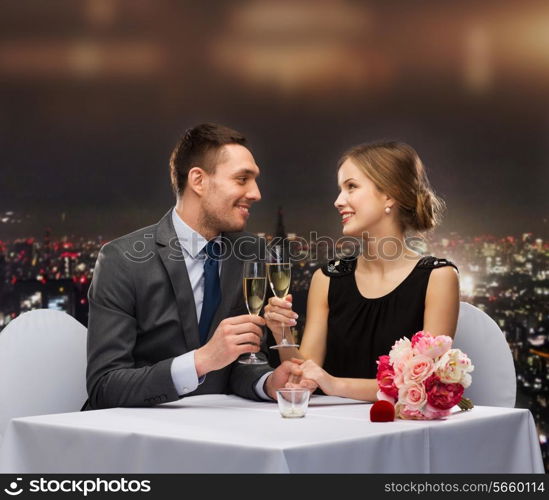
column 279, row 312
column 312, row 373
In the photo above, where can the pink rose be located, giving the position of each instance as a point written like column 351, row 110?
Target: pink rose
column 432, row 346
column 407, row 413
column 412, row 395
column 385, row 377
column 442, row 396
column 418, row 368
column 400, row 365
column 431, row 413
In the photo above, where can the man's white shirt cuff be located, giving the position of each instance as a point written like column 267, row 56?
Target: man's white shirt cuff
column 259, row 387
column 184, row 375
column 186, row 380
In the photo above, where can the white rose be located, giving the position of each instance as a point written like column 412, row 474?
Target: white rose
column 453, row 368
column 401, row 348
column 466, row 380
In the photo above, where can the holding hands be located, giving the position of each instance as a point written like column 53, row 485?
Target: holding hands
column 305, row 373
column 286, row 372
column 313, row 376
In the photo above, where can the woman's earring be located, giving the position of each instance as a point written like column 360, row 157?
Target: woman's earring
column 387, row 210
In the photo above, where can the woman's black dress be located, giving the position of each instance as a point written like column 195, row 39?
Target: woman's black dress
column 361, row 329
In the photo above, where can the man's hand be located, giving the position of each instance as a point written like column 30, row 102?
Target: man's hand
column 280, row 378
column 233, row 337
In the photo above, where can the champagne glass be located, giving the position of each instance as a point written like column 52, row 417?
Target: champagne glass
column 254, row 286
column 279, row 271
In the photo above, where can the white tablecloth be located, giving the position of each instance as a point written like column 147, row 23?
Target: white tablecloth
column 219, row 433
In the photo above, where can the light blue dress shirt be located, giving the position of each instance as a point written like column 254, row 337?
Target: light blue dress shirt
column 183, row 369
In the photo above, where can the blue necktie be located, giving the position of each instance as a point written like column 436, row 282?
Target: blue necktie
column 212, row 289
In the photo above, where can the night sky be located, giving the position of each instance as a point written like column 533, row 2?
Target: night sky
column 94, row 95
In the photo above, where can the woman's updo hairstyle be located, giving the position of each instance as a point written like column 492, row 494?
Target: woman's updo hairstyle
column 396, row 170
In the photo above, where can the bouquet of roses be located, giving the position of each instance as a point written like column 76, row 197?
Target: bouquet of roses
column 423, row 377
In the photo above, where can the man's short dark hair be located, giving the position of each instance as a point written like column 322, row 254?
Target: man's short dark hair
column 200, row 147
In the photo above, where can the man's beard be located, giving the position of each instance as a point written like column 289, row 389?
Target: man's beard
column 212, row 221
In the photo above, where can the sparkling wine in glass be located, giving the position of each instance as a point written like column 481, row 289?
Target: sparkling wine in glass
column 254, row 286
column 279, row 271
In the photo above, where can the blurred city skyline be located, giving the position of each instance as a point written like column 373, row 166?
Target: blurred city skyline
column 95, row 94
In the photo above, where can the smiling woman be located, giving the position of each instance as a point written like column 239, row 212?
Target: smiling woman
column 394, row 179
column 358, row 308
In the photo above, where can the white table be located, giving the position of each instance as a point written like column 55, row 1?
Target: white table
column 219, row 433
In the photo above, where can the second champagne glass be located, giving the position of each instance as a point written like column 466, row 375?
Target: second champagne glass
column 279, row 271
column 254, row 286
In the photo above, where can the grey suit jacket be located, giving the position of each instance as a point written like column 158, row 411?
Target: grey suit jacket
column 142, row 315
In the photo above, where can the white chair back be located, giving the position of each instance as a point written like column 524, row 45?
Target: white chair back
column 42, row 365
column 494, row 379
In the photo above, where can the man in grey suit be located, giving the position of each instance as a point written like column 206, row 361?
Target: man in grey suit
column 156, row 331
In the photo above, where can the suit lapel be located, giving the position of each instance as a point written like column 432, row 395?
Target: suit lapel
column 174, row 262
